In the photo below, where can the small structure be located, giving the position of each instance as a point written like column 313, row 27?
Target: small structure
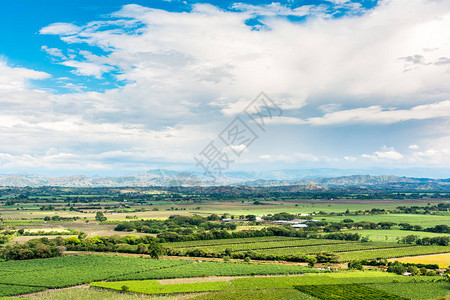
column 407, row 274
column 300, row 226
column 234, row 220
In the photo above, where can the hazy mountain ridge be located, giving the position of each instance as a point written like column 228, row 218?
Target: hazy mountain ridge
column 249, row 179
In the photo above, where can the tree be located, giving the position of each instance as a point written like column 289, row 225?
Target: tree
column 397, row 267
column 155, row 250
column 251, row 217
column 324, row 257
column 100, row 216
column 355, row 264
column 141, row 248
column 311, row 260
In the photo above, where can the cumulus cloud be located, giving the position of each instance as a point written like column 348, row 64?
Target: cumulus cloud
column 87, row 68
column 55, row 52
column 16, row 78
column 181, row 75
column 380, row 115
column 385, row 154
column 60, row 29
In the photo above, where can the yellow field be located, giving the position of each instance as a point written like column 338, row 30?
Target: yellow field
column 442, row 260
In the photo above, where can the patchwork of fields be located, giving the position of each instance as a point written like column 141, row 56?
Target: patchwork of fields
column 281, row 247
column 350, row 284
column 19, row 277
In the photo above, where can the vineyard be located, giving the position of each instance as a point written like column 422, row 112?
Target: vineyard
column 352, row 281
column 286, row 248
column 347, row 292
column 218, row 269
column 390, row 253
column 18, row 277
column 333, row 247
column 203, row 243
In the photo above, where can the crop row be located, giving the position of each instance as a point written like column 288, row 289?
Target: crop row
column 11, row 290
column 271, row 245
column 392, row 253
column 347, row 292
column 73, row 270
column 218, row 269
column 333, row 248
column 202, row 243
column 154, row 287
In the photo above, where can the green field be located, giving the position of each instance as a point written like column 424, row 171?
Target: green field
column 304, row 206
column 416, row 291
column 347, row 292
column 35, row 275
column 392, row 253
column 269, row 244
column 218, row 269
column 282, row 249
column 18, row 277
column 343, row 247
column 422, row 220
column 381, row 235
column 203, row 243
column 86, row 293
column 257, row 283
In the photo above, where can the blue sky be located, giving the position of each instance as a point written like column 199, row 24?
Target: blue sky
column 114, row 87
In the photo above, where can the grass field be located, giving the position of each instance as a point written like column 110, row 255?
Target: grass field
column 422, row 220
column 392, row 234
column 442, row 260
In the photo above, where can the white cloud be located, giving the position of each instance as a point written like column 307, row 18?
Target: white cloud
column 55, row 52
column 16, row 78
column 87, row 68
column 60, row 29
column 184, row 74
column 385, row 154
column 413, row 147
column 380, row 115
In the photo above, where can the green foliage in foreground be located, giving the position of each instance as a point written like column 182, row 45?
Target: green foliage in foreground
column 347, row 292
column 218, row 269
column 86, row 293
column 266, row 294
column 36, row 275
column 71, row 270
column 11, row 290
column 416, row 291
column 256, row 283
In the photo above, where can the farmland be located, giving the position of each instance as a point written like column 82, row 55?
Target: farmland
column 353, row 281
column 46, row 241
column 442, row 260
column 19, row 277
column 389, row 253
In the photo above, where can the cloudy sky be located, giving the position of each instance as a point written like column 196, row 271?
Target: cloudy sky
column 116, row 87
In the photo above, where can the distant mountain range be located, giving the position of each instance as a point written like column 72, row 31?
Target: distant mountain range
column 313, row 180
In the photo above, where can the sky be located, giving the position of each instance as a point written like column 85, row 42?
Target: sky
column 119, row 87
